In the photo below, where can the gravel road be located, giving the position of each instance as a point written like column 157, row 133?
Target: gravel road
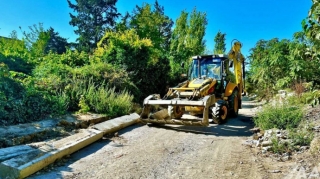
column 143, row 151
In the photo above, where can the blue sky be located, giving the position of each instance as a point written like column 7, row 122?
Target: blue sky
column 245, row 20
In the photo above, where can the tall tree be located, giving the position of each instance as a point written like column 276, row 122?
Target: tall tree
column 92, row 19
column 276, row 64
column 36, row 39
column 188, row 35
column 151, row 22
column 220, row 44
column 56, row 43
column 187, row 40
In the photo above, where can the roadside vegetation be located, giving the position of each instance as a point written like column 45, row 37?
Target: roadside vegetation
column 122, row 58
column 115, row 63
column 288, row 116
column 292, row 66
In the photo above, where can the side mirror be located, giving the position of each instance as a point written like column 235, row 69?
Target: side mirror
column 182, row 64
column 230, row 64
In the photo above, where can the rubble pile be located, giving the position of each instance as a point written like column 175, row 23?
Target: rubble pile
column 316, row 128
column 263, row 140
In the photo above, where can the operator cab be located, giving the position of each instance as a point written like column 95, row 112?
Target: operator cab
column 209, row 66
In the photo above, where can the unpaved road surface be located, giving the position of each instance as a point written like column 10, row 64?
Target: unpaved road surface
column 143, row 151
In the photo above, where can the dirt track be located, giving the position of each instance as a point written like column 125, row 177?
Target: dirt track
column 143, row 151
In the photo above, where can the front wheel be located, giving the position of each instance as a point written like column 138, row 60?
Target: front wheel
column 220, row 112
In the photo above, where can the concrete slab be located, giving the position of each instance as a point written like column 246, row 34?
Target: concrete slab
column 11, row 152
column 117, row 123
column 30, row 159
column 28, row 163
column 26, row 133
column 83, row 120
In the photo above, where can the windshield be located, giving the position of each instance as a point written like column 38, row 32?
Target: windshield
column 209, row 68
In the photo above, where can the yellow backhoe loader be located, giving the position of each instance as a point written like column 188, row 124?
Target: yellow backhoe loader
column 212, row 90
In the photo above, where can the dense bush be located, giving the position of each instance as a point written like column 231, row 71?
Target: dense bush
column 21, row 100
column 16, row 64
column 21, row 104
column 105, row 100
column 311, row 98
column 57, row 74
column 279, row 116
column 148, row 69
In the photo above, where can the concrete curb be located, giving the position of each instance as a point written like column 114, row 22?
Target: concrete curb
column 117, row 123
column 22, row 161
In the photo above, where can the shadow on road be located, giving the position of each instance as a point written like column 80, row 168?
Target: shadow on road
column 233, row 127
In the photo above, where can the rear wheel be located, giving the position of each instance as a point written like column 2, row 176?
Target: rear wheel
column 220, row 112
column 175, row 112
column 234, row 103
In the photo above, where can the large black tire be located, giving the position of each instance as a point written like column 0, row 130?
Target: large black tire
column 175, row 112
column 234, row 104
column 220, row 112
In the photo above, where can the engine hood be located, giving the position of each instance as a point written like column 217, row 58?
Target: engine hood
column 198, row 82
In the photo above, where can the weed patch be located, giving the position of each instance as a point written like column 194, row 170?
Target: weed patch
column 279, row 116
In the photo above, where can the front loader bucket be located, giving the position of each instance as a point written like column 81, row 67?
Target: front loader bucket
column 155, row 110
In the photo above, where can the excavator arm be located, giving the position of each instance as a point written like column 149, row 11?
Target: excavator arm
column 237, row 61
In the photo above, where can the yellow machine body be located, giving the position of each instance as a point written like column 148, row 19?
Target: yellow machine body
column 208, row 90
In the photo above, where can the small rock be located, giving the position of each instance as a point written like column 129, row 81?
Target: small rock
column 266, row 148
column 255, row 130
column 258, row 144
column 255, row 136
column 283, row 137
column 285, row 158
column 279, row 135
column 116, row 134
column 274, row 171
column 317, row 128
column 260, row 135
column 285, row 154
column 250, row 142
column 266, row 143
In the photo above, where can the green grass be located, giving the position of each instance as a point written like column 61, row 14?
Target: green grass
column 106, row 101
column 280, row 116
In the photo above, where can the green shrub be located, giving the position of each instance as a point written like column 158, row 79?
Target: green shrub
column 148, row 69
column 23, row 103
column 279, row 116
column 84, row 107
column 105, row 100
column 312, row 98
column 57, row 74
column 280, row 146
column 302, row 135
